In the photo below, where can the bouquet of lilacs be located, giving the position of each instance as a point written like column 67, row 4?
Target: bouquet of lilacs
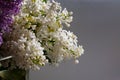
column 32, row 34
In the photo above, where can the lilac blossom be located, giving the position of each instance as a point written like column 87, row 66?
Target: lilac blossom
column 8, row 9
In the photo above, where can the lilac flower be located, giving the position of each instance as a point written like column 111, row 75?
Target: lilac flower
column 8, row 9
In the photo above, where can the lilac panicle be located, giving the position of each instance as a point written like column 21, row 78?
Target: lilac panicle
column 8, row 9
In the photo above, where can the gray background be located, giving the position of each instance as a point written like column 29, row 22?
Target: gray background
column 97, row 24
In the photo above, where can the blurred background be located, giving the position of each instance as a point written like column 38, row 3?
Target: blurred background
column 97, row 25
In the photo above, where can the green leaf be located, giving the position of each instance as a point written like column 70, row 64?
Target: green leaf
column 16, row 74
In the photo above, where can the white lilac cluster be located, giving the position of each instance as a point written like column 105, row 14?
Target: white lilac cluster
column 38, row 36
column 25, row 49
column 61, row 45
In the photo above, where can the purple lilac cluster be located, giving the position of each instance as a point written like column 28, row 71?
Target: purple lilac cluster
column 8, row 8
